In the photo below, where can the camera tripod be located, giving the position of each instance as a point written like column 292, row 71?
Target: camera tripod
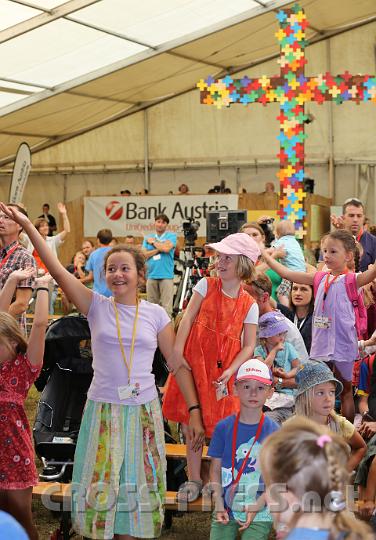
column 194, row 269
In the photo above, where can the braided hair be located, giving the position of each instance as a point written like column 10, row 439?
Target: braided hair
column 310, row 462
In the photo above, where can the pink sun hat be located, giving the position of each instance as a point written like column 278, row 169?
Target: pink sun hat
column 238, row 244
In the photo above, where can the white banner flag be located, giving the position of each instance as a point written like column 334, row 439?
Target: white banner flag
column 21, row 169
column 136, row 215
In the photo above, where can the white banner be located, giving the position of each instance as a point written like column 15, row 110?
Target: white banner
column 20, row 174
column 136, row 215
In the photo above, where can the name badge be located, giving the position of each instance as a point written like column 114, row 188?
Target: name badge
column 221, row 391
column 129, row 391
column 156, row 257
column 322, row 322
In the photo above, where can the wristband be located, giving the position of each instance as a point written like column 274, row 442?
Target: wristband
column 42, row 289
column 193, row 408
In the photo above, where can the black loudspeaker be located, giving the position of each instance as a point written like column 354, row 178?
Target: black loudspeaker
column 308, row 185
column 221, row 224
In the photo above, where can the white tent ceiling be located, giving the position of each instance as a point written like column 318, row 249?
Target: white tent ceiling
column 67, row 68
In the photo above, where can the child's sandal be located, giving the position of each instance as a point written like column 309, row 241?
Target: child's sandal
column 189, row 491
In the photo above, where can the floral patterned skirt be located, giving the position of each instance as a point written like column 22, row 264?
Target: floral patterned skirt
column 119, row 475
column 17, row 466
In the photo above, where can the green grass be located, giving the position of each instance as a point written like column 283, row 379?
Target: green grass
column 186, row 527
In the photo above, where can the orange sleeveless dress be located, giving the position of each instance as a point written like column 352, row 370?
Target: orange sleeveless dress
column 218, row 325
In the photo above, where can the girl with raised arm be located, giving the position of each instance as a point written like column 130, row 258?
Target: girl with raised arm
column 334, row 336
column 119, row 470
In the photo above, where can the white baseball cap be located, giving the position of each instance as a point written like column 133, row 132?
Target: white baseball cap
column 256, row 370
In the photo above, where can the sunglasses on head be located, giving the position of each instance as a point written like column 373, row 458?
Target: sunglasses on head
column 353, row 199
column 255, row 283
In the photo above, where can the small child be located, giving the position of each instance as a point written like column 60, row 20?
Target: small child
column 315, row 398
column 282, row 358
column 234, row 450
column 304, row 468
column 288, row 250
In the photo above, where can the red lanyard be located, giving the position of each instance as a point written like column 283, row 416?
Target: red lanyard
column 328, row 284
column 12, row 250
column 359, row 235
column 220, row 342
column 235, row 481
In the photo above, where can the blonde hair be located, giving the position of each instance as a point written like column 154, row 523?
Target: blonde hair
column 10, row 331
column 303, row 403
column 285, row 227
column 315, row 473
column 245, row 269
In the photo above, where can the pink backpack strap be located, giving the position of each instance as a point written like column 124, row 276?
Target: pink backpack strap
column 317, row 280
column 351, row 288
column 356, row 299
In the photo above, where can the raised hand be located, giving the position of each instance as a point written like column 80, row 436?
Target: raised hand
column 337, row 221
column 62, row 208
column 20, row 275
column 13, row 213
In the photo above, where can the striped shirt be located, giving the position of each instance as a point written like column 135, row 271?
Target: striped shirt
column 15, row 257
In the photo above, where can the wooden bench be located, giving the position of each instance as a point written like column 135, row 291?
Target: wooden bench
column 56, row 496
column 179, row 451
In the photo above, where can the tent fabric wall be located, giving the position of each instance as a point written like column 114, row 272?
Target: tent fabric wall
column 183, row 134
column 182, row 130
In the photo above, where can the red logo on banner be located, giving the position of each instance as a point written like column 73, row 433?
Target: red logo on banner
column 114, row 210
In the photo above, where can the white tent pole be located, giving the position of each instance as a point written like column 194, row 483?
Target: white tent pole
column 146, row 151
column 332, row 178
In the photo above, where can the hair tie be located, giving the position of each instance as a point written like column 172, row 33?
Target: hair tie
column 322, row 440
column 337, row 501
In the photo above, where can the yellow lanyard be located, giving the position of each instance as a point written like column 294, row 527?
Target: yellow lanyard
column 129, row 367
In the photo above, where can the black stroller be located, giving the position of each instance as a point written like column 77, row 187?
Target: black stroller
column 64, row 382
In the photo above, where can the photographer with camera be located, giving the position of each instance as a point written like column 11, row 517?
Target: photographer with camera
column 158, row 249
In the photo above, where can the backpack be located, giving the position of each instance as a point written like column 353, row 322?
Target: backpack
column 355, row 297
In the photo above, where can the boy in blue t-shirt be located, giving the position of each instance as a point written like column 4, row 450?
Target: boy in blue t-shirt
column 234, row 449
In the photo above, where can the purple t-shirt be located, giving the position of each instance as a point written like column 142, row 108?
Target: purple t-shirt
column 339, row 341
column 110, row 371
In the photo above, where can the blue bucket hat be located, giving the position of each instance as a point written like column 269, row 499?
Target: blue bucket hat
column 312, row 373
column 271, row 324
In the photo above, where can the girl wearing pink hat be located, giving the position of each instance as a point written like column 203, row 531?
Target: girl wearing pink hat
column 209, row 339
